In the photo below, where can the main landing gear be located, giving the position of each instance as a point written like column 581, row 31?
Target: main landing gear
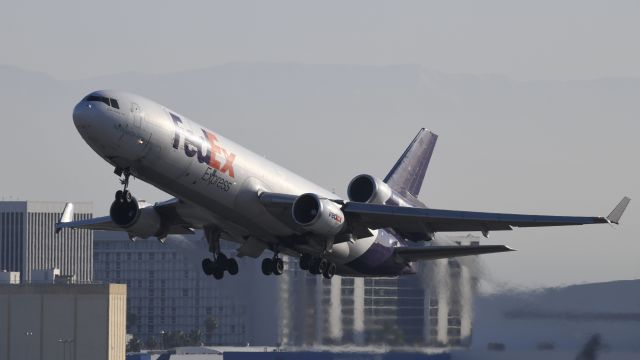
column 218, row 266
column 220, row 262
column 317, row 266
column 273, row 265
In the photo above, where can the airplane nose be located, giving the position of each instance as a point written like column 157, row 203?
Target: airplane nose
column 81, row 114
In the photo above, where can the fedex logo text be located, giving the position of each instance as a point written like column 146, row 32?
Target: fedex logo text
column 335, row 217
column 205, row 147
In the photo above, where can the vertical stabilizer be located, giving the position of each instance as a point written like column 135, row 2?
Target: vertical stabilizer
column 408, row 173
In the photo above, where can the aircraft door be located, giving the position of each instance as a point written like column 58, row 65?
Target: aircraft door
column 136, row 115
column 141, row 134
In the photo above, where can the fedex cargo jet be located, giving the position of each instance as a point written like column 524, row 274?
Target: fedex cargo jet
column 230, row 192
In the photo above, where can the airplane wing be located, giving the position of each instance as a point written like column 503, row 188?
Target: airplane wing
column 412, row 220
column 424, row 220
column 410, row 254
column 165, row 209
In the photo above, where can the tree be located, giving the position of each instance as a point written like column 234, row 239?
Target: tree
column 210, row 326
column 151, row 343
column 195, row 337
column 174, row 339
column 134, row 345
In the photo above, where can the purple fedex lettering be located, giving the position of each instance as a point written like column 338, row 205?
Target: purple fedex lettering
column 206, row 147
column 178, row 130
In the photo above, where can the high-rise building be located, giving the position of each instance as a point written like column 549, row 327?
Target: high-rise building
column 28, row 241
column 431, row 308
column 168, row 292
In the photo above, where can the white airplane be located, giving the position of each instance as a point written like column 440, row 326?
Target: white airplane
column 226, row 190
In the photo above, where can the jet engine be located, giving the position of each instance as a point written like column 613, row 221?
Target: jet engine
column 139, row 219
column 367, row 189
column 319, row 216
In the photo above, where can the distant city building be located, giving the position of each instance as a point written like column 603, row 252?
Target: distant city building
column 60, row 322
column 28, row 240
column 169, row 292
column 9, row 277
column 431, row 308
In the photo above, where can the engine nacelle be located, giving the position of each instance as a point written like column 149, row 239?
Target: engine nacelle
column 319, row 216
column 136, row 218
column 367, row 189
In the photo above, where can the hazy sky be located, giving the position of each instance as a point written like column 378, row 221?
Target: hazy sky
column 523, row 146
column 524, row 40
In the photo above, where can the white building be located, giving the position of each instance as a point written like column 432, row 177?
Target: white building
column 28, row 240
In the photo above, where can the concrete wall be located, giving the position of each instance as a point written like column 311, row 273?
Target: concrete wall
column 62, row 322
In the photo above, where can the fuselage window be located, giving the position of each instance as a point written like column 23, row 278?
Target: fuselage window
column 98, row 98
column 110, row 102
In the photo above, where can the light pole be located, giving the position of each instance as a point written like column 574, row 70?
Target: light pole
column 64, row 352
column 162, row 332
column 64, row 343
column 27, row 335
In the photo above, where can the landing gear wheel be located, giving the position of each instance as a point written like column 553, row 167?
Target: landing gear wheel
column 267, row 266
column 127, row 196
column 119, row 196
column 314, row 267
column 305, row 261
column 278, row 266
column 322, row 266
column 221, row 261
column 330, row 271
column 232, row 266
column 218, row 273
column 207, row 266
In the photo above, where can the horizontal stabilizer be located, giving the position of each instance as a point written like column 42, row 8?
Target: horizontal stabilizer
column 616, row 214
column 172, row 222
column 443, row 252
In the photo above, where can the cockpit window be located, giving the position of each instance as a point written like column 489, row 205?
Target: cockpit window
column 110, row 102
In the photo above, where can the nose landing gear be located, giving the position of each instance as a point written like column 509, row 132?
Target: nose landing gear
column 123, row 195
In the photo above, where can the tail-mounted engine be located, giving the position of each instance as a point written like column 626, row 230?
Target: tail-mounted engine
column 368, row 189
column 319, row 216
column 137, row 218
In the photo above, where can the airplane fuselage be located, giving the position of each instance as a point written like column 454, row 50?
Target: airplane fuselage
column 219, row 179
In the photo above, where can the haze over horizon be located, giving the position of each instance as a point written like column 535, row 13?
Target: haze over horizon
column 523, row 125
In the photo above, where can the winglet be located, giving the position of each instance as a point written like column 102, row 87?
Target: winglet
column 67, row 216
column 616, row 214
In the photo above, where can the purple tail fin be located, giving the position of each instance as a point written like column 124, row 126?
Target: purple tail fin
column 408, row 173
